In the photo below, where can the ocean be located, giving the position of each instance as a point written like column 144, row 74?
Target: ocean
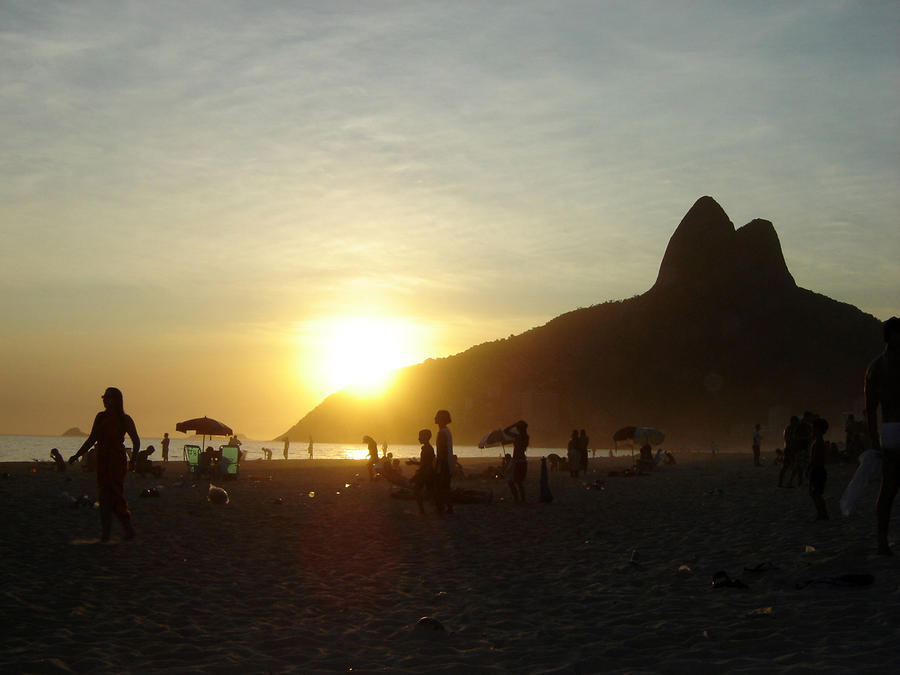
column 28, row 448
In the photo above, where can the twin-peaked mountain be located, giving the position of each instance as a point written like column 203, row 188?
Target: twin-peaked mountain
column 724, row 339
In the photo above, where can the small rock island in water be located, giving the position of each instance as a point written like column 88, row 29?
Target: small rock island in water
column 74, row 431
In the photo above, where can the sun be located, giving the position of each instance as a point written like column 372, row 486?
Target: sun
column 361, row 352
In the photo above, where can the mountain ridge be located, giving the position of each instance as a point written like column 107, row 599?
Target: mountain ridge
column 723, row 339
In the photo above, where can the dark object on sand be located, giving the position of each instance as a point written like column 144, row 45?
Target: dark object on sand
column 722, row 580
column 845, row 580
column 429, row 624
column 546, row 495
column 217, row 495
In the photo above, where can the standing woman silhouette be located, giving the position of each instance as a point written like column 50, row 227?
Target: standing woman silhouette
column 108, row 433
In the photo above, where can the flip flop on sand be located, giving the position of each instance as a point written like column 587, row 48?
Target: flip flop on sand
column 842, row 580
column 722, row 580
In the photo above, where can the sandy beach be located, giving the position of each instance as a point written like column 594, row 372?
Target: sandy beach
column 312, row 568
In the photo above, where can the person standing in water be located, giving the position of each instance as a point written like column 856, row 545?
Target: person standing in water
column 108, row 434
column 883, row 389
column 164, row 444
column 309, row 448
column 443, row 464
column 287, row 446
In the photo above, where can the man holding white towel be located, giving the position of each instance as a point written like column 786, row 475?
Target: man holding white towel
column 883, row 388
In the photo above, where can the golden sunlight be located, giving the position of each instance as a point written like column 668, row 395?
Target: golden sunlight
column 361, row 352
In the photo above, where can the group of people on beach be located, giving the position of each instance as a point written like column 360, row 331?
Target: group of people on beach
column 577, row 452
column 436, row 465
column 804, row 456
column 804, row 451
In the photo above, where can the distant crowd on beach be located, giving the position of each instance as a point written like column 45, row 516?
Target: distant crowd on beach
column 873, row 442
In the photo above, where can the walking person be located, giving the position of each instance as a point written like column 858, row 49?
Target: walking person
column 108, row 433
column 883, row 389
column 443, row 463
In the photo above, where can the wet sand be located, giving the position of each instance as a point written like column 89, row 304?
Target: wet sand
column 283, row 580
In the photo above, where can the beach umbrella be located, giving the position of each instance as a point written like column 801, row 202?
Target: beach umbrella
column 494, row 438
column 642, row 435
column 205, row 426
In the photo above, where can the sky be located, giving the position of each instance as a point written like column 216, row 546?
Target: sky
column 234, row 209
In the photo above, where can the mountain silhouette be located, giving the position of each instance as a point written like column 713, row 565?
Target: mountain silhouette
column 724, row 339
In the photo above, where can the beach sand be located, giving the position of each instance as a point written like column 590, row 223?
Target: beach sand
column 336, row 576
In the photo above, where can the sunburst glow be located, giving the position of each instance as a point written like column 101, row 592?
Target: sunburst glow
column 361, row 352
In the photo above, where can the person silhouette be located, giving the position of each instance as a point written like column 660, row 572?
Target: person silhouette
column 882, row 389
column 443, row 465
column 518, row 469
column 423, row 480
column 757, row 441
column 108, row 433
column 572, row 454
column 583, row 442
column 817, row 473
column 57, row 458
column 373, row 455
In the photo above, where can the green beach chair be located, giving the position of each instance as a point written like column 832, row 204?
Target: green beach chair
column 228, row 464
column 192, row 457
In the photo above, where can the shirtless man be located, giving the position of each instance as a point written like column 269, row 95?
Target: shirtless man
column 883, row 388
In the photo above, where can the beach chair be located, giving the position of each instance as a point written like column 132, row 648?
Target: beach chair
column 228, row 464
column 192, row 457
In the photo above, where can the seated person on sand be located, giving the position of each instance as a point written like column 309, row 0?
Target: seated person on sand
column 143, row 464
column 393, row 474
column 58, row 460
column 646, row 463
column 458, row 473
column 207, row 461
column 553, row 461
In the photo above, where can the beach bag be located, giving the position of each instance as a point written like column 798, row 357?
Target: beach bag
column 869, row 464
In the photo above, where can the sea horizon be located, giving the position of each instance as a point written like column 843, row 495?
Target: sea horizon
column 30, row 447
